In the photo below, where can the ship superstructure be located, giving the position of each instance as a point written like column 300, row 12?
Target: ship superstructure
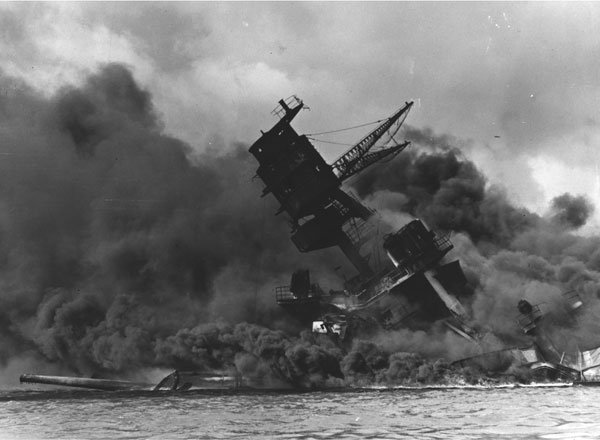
column 417, row 286
column 322, row 214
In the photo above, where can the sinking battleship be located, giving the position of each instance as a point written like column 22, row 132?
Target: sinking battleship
column 417, row 286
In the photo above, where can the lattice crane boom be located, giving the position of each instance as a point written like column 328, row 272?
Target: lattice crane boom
column 370, row 158
column 351, row 162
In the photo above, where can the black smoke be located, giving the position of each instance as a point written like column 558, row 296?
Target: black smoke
column 123, row 248
column 508, row 253
column 115, row 236
column 571, row 211
column 447, row 191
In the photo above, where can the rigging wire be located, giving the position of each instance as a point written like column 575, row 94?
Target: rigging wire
column 345, row 144
column 345, row 129
column 330, row 142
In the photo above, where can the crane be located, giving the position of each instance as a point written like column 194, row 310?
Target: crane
column 358, row 157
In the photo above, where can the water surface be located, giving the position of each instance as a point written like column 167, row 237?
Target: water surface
column 453, row 413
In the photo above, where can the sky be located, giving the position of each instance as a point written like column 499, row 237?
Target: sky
column 116, row 250
column 516, row 85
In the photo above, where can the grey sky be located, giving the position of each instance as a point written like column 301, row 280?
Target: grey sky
column 517, row 84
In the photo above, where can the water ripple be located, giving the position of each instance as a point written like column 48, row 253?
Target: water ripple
column 515, row 413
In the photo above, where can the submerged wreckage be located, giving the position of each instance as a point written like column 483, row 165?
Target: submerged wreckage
column 417, row 286
column 175, row 381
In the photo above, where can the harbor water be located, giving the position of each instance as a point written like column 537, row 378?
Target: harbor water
column 439, row 413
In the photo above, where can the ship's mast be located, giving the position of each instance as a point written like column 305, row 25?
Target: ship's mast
column 308, row 188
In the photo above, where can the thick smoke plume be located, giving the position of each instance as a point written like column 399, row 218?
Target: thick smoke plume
column 571, row 210
column 121, row 248
column 114, row 236
column 447, row 191
column 507, row 252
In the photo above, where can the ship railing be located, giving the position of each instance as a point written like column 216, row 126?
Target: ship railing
column 590, row 378
column 291, row 101
column 443, row 243
column 387, row 282
column 357, row 230
column 404, row 271
column 284, row 294
column 416, row 263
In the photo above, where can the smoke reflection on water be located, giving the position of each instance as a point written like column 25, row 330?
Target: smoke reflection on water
column 544, row 412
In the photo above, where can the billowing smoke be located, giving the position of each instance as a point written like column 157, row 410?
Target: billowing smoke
column 122, row 248
column 571, row 211
column 447, row 191
column 114, row 236
column 507, row 252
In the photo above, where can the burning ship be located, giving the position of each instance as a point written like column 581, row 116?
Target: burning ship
column 417, row 286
